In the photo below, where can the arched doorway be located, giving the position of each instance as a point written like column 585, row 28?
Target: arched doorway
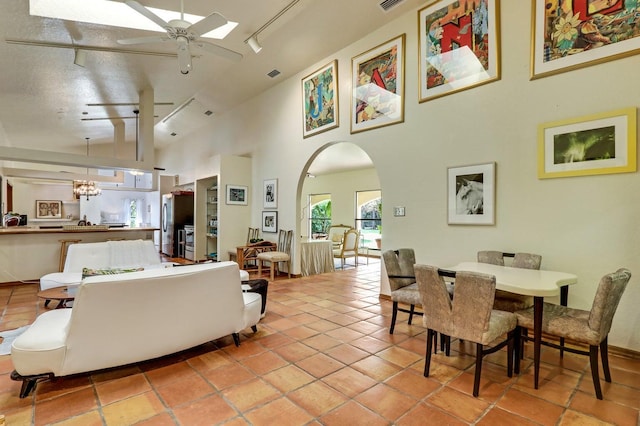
column 337, row 182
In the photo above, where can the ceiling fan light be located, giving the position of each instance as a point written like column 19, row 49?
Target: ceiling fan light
column 80, row 57
column 253, row 43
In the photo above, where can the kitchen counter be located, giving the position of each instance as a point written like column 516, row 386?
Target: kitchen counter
column 29, row 252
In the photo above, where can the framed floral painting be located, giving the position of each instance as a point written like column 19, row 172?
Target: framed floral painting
column 570, row 34
column 377, row 77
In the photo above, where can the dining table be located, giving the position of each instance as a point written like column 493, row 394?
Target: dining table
column 538, row 283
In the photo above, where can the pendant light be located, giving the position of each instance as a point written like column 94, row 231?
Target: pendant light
column 86, row 188
column 136, row 172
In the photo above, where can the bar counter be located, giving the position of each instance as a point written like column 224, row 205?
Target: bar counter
column 29, row 252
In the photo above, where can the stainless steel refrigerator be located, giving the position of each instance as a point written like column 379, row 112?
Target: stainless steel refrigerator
column 177, row 211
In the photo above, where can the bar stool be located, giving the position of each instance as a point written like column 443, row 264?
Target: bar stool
column 64, row 244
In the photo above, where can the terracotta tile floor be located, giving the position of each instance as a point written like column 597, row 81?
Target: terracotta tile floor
column 322, row 355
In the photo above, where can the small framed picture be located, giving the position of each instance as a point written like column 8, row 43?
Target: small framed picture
column 270, row 222
column 270, row 194
column 48, row 209
column 472, row 194
column 237, row 194
column 597, row 144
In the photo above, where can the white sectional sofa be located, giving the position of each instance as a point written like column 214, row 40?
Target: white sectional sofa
column 135, row 316
column 108, row 254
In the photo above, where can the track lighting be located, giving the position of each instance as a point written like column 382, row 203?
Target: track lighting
column 253, row 43
column 80, row 57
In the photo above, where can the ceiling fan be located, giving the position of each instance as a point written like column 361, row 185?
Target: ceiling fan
column 184, row 33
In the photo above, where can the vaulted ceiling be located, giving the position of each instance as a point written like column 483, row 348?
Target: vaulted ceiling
column 47, row 102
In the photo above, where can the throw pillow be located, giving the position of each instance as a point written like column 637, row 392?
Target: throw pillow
column 88, row 272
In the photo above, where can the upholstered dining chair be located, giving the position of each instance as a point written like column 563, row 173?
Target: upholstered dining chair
column 469, row 315
column 402, row 281
column 585, row 327
column 349, row 247
column 506, row 301
column 336, row 234
column 283, row 254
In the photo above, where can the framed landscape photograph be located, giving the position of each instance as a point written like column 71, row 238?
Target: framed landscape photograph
column 471, row 192
column 459, row 46
column 569, row 34
column 48, row 209
column 269, row 221
column 377, row 77
column 270, row 194
column 237, row 194
column 592, row 145
column 320, row 100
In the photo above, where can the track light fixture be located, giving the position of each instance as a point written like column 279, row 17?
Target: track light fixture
column 253, row 43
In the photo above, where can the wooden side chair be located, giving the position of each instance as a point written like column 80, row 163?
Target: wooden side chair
column 282, row 254
column 348, row 248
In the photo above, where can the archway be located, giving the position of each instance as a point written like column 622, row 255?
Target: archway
column 336, row 171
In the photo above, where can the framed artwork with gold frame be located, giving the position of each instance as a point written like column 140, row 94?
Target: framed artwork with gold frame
column 320, row 100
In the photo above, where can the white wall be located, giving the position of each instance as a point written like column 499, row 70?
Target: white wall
column 585, row 225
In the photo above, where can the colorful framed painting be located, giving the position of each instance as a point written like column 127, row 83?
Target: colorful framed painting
column 377, row 77
column 471, row 194
column 270, row 222
column 48, row 209
column 592, row 145
column 320, row 100
column 459, row 46
column 270, row 194
column 237, row 195
column 570, row 34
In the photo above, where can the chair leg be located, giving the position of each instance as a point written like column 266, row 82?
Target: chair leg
column 259, row 262
column 604, row 354
column 525, row 333
column 411, row 309
column 289, row 268
column 435, row 342
column 394, row 315
column 476, row 379
column 512, row 343
column 519, row 348
column 427, row 361
column 447, row 345
column 273, row 268
column 593, row 360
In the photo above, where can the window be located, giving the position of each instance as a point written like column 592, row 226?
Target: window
column 369, row 216
column 320, row 217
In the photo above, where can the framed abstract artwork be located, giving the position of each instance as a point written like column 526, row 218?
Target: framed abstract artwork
column 459, row 46
column 320, row 100
column 570, row 34
column 270, row 194
column 471, row 194
column 269, row 221
column 237, row 194
column 377, row 77
column 592, row 145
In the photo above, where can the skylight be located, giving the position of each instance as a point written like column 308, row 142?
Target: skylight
column 112, row 13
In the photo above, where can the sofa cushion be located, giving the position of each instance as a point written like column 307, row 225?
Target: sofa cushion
column 88, row 272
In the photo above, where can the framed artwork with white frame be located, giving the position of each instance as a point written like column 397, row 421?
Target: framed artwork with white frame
column 237, row 195
column 270, row 222
column 471, row 194
column 270, row 194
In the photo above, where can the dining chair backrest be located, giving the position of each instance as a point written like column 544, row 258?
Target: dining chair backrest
column 284, row 241
column 253, row 234
column 399, row 265
column 527, row 261
column 350, row 240
column 491, row 256
column 606, row 300
column 467, row 315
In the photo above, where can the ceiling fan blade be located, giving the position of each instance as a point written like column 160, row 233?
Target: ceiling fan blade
column 147, row 13
column 207, row 24
column 143, row 40
column 218, row 50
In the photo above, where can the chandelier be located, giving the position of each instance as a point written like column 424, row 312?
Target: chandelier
column 86, row 188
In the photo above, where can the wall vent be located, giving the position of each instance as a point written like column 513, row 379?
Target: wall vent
column 387, row 5
column 273, row 73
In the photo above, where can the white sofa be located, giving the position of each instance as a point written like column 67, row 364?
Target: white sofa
column 107, row 254
column 135, row 316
